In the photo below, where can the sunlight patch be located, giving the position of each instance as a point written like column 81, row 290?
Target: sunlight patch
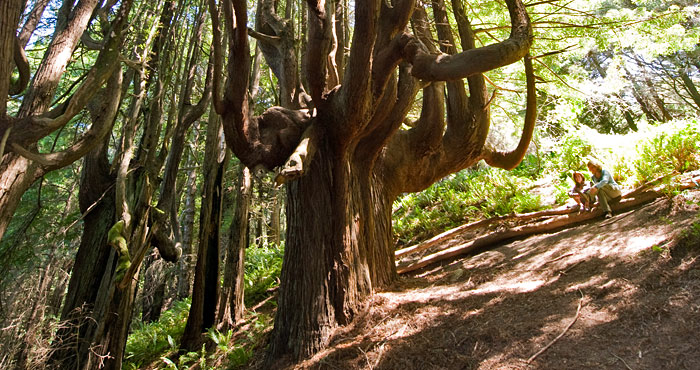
column 510, row 287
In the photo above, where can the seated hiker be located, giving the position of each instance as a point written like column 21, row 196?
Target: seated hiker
column 604, row 187
column 580, row 192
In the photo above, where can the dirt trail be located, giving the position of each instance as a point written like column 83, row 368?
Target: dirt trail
column 640, row 307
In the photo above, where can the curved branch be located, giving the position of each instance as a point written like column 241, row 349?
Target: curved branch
column 90, row 43
column 509, row 160
column 262, row 37
column 416, row 157
column 301, row 158
column 102, row 124
column 470, row 62
column 426, row 134
column 31, row 22
column 20, row 60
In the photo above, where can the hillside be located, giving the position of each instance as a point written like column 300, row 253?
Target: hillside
column 621, row 293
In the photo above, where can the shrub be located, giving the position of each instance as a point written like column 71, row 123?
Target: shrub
column 149, row 341
column 674, row 150
column 262, row 269
column 571, row 154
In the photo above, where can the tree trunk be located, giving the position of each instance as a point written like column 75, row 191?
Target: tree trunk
column 92, row 270
column 185, row 263
column 231, row 304
column 206, row 275
column 10, row 12
column 17, row 174
column 690, row 86
column 338, row 247
column 153, row 291
column 110, row 338
column 275, row 218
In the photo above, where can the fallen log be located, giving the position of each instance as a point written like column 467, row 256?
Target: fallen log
column 522, row 217
column 569, row 219
column 478, row 224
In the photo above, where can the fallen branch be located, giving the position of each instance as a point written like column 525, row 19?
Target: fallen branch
column 477, row 224
column 560, row 257
column 550, row 224
column 446, row 235
column 578, row 313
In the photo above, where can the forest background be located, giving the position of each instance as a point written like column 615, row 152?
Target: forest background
column 616, row 80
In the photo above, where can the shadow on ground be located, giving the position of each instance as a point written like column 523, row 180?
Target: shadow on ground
column 636, row 277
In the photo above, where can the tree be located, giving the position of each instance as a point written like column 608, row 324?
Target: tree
column 343, row 153
column 36, row 118
column 104, row 280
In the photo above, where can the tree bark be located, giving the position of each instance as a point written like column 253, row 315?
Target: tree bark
column 93, row 265
column 231, row 304
column 10, row 11
column 690, row 86
column 185, row 264
column 153, row 292
column 205, row 288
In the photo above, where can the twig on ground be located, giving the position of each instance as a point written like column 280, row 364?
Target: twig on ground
column 369, row 363
column 578, row 313
column 621, row 359
column 560, row 257
column 566, row 270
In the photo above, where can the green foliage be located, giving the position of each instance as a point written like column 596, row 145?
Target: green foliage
column 237, row 355
column 571, row 155
column 262, row 270
column 531, row 166
column 233, row 349
column 459, row 198
column 672, row 150
column 149, row 341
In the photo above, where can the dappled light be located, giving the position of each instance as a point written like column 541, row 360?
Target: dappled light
column 495, row 309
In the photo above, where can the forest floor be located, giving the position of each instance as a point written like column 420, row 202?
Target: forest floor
column 621, row 293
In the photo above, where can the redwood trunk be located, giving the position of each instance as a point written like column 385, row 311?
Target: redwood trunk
column 205, row 288
column 93, row 266
column 338, row 248
column 231, row 304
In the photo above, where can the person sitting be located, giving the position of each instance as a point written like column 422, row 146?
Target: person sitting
column 580, row 192
column 604, row 187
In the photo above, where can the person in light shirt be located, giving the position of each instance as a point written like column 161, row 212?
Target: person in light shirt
column 604, row 187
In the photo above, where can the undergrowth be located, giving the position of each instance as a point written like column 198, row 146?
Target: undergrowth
column 459, row 198
column 151, row 342
column 148, row 341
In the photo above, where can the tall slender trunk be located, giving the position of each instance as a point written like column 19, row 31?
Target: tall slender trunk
column 206, row 275
column 185, row 263
column 276, row 218
column 231, row 304
column 690, row 87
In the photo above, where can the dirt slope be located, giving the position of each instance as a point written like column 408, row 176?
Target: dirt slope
column 640, row 307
